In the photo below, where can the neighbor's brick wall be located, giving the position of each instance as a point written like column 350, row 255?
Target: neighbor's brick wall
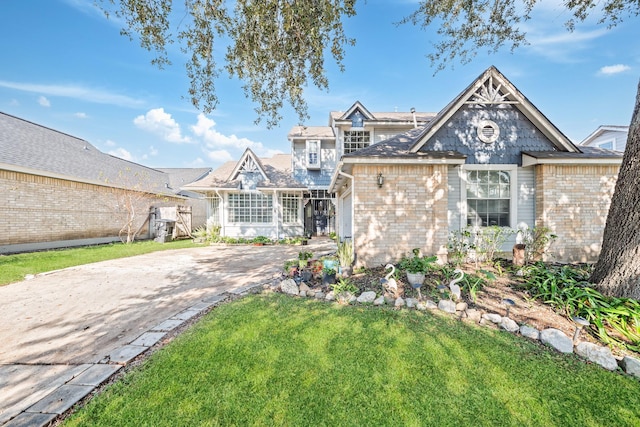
column 409, row 211
column 573, row 201
column 40, row 209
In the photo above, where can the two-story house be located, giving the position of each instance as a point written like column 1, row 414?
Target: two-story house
column 391, row 182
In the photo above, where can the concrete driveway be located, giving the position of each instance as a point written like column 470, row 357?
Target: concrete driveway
column 65, row 332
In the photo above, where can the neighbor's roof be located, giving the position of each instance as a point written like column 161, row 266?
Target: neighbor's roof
column 34, row 149
column 602, row 130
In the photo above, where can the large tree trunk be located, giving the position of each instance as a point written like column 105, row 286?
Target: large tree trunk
column 617, row 272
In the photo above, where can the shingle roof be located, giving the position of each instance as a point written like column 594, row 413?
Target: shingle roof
column 276, row 168
column 320, row 132
column 587, row 153
column 34, row 148
column 392, row 116
column 399, row 146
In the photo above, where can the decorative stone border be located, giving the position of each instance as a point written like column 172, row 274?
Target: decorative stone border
column 550, row 337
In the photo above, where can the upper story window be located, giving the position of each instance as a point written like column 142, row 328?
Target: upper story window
column 607, row 145
column 355, row 140
column 313, row 154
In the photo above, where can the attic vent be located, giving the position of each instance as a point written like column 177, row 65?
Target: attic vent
column 488, row 131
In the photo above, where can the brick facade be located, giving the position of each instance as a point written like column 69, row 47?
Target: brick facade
column 573, row 201
column 409, row 211
column 43, row 209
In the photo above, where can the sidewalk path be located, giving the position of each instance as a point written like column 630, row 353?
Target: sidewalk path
column 64, row 333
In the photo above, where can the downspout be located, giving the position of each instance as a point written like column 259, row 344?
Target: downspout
column 221, row 214
column 353, row 204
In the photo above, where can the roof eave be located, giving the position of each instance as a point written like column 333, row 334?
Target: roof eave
column 528, row 160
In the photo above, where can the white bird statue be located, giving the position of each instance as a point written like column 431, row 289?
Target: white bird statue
column 455, row 289
column 388, row 282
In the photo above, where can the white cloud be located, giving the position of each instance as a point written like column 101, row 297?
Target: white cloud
column 214, row 140
column 613, row 69
column 97, row 96
column 161, row 123
column 110, row 143
column 122, row 153
column 44, row 102
column 81, row 115
column 219, row 156
column 153, row 151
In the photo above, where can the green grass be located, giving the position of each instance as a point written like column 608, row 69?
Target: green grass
column 277, row 360
column 15, row 267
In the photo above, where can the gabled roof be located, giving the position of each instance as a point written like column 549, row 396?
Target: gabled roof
column 601, row 130
column 276, row 173
column 357, row 106
column 249, row 162
column 492, row 87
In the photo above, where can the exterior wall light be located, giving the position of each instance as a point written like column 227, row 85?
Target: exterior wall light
column 380, row 180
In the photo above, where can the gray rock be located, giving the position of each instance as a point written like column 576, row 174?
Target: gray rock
column 352, row 299
column 331, row 296
column 421, row 305
column 597, row 354
column 509, row 325
column 492, row 317
column 411, row 302
column 631, row 366
column 311, row 293
column 529, row 332
column 320, row 295
column 474, row 315
column 399, row 302
column 557, row 339
column 289, row 287
column 379, row 301
column 388, row 299
column 304, row 287
column 345, row 297
column 447, row 306
column 461, row 306
column 430, row 305
column 367, row 297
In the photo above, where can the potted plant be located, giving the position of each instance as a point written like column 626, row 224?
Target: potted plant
column 416, row 266
column 303, row 258
column 328, row 275
column 345, row 256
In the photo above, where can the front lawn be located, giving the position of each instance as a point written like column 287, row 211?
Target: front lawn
column 277, row 360
column 15, row 267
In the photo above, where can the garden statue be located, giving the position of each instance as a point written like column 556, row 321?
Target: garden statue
column 455, row 289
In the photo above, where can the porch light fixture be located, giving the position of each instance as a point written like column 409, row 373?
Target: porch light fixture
column 380, row 180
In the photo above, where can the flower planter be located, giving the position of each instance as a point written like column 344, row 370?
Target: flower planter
column 328, row 279
column 415, row 279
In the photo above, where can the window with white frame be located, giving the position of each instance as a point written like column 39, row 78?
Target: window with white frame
column 290, row 208
column 313, row 154
column 607, row 145
column 250, row 208
column 214, row 210
column 488, row 198
column 355, row 140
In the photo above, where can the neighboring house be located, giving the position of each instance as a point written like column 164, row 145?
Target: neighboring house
column 608, row 137
column 253, row 197
column 490, row 157
column 59, row 190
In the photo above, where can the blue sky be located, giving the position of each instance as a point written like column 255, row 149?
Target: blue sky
column 65, row 66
